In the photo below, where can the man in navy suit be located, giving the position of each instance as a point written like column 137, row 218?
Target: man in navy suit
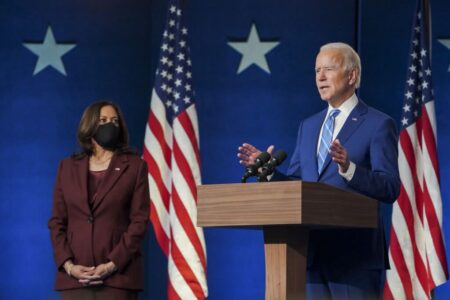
column 354, row 147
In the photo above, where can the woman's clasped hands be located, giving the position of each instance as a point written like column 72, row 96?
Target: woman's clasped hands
column 89, row 275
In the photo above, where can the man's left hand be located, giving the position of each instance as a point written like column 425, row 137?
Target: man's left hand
column 339, row 155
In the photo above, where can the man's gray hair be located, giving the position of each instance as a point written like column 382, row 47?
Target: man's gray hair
column 351, row 58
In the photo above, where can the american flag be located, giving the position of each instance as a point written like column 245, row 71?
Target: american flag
column 171, row 150
column 417, row 251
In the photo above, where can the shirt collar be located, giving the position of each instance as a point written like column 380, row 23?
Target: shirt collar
column 346, row 107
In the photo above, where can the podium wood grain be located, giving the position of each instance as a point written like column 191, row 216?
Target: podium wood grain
column 286, row 211
column 283, row 203
column 286, row 251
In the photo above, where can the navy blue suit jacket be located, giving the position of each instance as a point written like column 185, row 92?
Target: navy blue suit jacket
column 370, row 138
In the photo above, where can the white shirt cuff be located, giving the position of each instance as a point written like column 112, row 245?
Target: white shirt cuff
column 350, row 172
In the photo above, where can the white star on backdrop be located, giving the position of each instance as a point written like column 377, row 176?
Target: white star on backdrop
column 253, row 51
column 49, row 53
column 446, row 43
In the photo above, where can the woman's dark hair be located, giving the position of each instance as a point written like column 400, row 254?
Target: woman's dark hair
column 89, row 123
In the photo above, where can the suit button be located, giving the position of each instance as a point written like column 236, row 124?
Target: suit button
column 90, row 219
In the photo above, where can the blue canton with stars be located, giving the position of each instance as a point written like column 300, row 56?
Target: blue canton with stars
column 418, row 89
column 173, row 82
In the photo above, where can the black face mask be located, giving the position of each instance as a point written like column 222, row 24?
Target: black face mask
column 107, row 135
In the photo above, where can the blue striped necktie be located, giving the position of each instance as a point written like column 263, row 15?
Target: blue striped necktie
column 326, row 138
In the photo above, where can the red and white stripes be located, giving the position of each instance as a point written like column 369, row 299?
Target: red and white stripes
column 172, row 154
column 417, row 252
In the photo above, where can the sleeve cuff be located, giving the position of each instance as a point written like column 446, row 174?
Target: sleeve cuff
column 350, row 172
column 61, row 260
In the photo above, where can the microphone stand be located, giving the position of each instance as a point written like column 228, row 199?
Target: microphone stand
column 244, row 179
column 262, row 178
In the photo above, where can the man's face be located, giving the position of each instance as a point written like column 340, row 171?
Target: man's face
column 334, row 83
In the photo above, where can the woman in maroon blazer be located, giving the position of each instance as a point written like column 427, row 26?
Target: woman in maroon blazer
column 100, row 211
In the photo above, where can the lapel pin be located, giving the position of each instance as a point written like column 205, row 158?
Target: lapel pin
column 117, row 169
column 354, row 119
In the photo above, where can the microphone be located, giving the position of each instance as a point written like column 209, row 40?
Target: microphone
column 252, row 170
column 268, row 168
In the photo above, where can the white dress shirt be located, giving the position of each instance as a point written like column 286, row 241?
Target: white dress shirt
column 346, row 108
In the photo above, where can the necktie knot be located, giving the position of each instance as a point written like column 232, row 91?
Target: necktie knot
column 333, row 113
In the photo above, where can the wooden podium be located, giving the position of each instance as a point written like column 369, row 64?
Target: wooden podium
column 286, row 211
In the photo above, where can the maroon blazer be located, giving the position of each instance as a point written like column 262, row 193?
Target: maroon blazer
column 112, row 230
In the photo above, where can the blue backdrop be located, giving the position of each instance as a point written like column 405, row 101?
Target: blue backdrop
column 115, row 57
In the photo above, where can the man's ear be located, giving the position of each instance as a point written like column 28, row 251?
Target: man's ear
column 352, row 75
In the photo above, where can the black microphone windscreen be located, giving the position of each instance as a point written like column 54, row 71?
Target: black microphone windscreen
column 280, row 156
column 262, row 158
column 252, row 170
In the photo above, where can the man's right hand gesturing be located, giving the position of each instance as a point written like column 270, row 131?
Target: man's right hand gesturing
column 247, row 153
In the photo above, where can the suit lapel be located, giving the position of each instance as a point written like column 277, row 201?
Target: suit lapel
column 81, row 170
column 119, row 163
column 353, row 121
